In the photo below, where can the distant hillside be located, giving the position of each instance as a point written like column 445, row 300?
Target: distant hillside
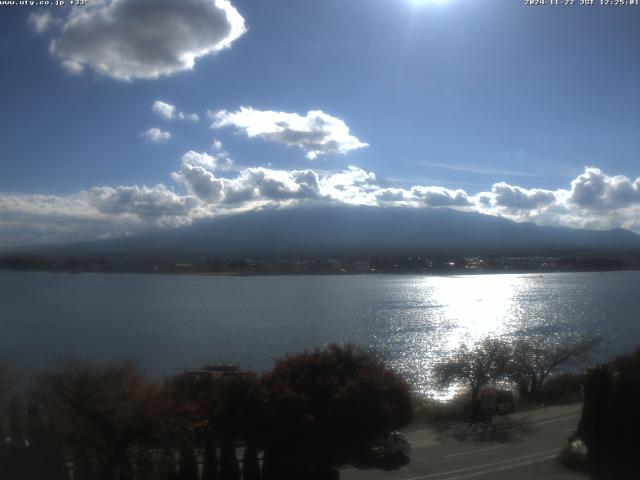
column 318, row 231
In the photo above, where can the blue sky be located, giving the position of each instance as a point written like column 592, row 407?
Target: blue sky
column 419, row 103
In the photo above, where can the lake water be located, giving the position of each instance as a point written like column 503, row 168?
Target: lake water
column 168, row 323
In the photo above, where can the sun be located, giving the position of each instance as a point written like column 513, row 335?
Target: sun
column 429, row 2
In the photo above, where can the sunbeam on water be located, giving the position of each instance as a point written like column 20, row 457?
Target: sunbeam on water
column 476, row 306
column 450, row 312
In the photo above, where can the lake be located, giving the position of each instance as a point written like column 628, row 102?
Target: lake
column 168, row 323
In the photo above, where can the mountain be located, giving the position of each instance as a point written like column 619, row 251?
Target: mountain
column 321, row 231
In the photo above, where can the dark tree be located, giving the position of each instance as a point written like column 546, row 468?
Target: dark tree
column 53, row 466
column 4, row 458
column 205, row 406
column 190, row 404
column 210, row 464
column 329, row 407
column 4, row 382
column 145, row 463
column 16, row 431
column 82, row 464
column 188, row 464
column 533, row 359
column 36, row 430
column 167, row 465
column 474, row 367
column 108, row 409
column 250, row 463
column 45, row 456
column 239, row 416
column 229, row 467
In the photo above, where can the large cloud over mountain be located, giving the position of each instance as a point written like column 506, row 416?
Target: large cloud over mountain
column 156, row 204
column 518, row 198
column 208, row 185
column 130, row 39
column 596, row 190
column 99, row 213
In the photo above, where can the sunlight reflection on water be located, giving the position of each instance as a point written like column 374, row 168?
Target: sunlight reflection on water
column 452, row 311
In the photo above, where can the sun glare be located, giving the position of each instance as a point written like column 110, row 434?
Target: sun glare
column 425, row 2
column 477, row 306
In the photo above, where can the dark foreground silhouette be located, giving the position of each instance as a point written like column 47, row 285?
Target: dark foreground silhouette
column 312, row 411
column 609, row 426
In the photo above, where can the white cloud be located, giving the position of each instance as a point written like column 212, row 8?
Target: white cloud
column 165, row 110
column 385, row 196
column 596, row 190
column 71, row 67
column 192, row 117
column 316, row 132
column 40, row 21
column 170, row 112
column 594, row 200
column 197, row 175
column 156, row 204
column 200, row 159
column 519, row 198
column 98, row 213
column 440, row 197
column 145, row 39
column 29, row 219
column 206, row 187
column 216, row 145
column 353, row 186
column 156, row 135
column 258, row 183
column 223, row 159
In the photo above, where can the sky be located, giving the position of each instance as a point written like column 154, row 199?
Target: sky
column 124, row 116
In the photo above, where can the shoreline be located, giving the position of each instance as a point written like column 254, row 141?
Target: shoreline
column 319, row 274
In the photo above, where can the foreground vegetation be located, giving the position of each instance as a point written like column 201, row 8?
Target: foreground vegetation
column 526, row 364
column 312, row 411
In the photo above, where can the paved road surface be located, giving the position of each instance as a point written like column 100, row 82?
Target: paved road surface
column 525, row 448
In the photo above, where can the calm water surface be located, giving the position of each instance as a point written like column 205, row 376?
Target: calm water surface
column 168, row 323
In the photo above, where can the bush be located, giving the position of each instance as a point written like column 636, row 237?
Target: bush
column 563, row 389
column 438, row 412
column 430, row 411
column 329, row 406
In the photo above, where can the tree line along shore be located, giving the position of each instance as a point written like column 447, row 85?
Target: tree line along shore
column 336, row 265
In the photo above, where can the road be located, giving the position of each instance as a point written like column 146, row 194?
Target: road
column 525, row 447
